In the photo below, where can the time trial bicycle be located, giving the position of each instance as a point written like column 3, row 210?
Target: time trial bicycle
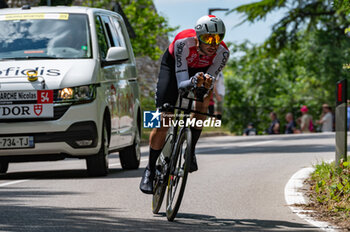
column 173, row 164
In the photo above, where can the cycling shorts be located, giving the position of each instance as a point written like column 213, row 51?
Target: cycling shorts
column 167, row 91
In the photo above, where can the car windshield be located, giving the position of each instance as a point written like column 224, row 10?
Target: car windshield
column 43, row 36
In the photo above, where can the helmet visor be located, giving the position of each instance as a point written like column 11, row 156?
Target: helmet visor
column 211, row 38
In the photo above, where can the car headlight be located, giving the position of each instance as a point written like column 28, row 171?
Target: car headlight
column 76, row 95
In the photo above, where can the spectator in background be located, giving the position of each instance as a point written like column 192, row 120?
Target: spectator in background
column 274, row 127
column 250, row 130
column 306, row 125
column 219, row 92
column 326, row 118
column 291, row 126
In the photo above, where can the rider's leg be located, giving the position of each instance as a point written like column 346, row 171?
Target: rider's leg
column 156, row 141
column 166, row 92
column 196, row 131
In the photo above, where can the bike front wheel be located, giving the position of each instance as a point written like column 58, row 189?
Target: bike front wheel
column 162, row 172
column 179, row 167
column 159, row 189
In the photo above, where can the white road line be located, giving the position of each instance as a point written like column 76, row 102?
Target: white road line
column 14, row 182
column 293, row 196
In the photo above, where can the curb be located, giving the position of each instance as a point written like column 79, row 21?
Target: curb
column 293, row 197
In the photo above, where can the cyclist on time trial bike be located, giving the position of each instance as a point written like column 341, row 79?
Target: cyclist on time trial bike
column 194, row 53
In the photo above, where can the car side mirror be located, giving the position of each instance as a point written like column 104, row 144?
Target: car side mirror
column 117, row 54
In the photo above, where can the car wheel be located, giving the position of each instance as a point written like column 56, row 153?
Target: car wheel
column 97, row 165
column 130, row 156
column 4, row 166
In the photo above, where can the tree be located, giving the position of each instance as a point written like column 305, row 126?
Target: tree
column 342, row 6
column 258, row 83
column 309, row 15
column 298, row 64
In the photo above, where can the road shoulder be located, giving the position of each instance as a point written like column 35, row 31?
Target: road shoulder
column 295, row 199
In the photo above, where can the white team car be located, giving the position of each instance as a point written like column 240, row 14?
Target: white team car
column 68, row 87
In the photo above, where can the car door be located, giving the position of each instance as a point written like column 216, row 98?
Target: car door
column 125, row 84
column 109, row 76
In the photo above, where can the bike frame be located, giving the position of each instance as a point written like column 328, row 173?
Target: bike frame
column 186, row 111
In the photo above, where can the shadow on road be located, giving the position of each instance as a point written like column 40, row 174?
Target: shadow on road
column 19, row 217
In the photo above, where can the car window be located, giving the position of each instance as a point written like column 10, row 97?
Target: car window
column 118, row 33
column 53, row 35
column 103, row 43
column 109, row 31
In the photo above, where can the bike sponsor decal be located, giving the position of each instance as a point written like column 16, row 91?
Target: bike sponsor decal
column 11, row 109
column 18, row 71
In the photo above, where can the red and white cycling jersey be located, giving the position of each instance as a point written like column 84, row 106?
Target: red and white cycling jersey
column 184, row 51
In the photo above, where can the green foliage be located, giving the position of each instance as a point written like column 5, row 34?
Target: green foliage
column 309, row 15
column 331, row 186
column 148, row 102
column 297, row 65
column 258, row 10
column 258, row 83
column 147, row 24
column 342, row 6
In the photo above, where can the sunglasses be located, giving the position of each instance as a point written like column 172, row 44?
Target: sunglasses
column 211, row 38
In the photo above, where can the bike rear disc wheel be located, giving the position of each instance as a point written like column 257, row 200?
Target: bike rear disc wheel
column 180, row 164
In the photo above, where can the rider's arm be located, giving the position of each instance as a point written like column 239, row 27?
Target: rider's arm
column 181, row 51
column 219, row 61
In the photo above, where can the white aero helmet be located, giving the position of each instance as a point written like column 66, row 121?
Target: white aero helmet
column 210, row 24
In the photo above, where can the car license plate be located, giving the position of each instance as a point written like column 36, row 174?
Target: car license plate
column 16, row 142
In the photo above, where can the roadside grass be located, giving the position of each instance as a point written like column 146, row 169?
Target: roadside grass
column 330, row 192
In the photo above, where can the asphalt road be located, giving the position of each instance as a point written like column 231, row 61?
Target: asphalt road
column 239, row 187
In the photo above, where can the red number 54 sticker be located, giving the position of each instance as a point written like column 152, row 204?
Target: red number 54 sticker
column 45, row 96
